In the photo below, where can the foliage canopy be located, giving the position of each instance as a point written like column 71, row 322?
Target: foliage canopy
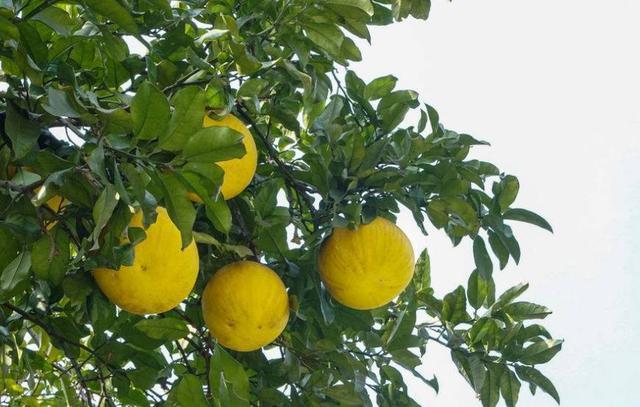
column 333, row 151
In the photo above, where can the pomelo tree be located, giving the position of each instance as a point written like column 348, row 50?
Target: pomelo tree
column 92, row 133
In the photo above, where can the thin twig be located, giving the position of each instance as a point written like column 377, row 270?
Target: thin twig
column 274, row 155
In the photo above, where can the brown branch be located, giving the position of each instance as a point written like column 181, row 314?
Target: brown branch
column 56, row 335
column 20, row 188
column 274, row 155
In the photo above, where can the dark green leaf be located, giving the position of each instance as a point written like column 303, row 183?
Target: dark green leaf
column 526, row 310
column 180, row 208
column 510, row 295
column 471, row 368
column 509, row 388
column 102, row 211
column 188, row 392
column 169, row 329
column 14, row 274
column 50, row 256
column 422, row 272
column 56, row 18
column 62, row 103
column 535, row 377
column 212, row 144
column 541, row 352
column 527, row 216
column 149, row 112
column 22, row 131
column 186, row 119
column 113, row 10
column 454, row 306
column 499, row 249
column 225, row 367
column 477, row 289
column 481, row 257
column 490, row 394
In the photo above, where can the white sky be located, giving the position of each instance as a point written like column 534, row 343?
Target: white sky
column 555, row 87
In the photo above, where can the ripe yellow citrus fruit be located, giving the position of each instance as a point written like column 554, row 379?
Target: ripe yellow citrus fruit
column 238, row 172
column 162, row 275
column 56, row 203
column 245, row 305
column 367, row 267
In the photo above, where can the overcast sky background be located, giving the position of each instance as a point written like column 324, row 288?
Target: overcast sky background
column 554, row 86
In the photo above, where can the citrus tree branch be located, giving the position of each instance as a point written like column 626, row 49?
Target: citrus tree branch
column 273, row 154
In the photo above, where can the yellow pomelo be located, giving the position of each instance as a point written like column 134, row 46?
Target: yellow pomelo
column 245, row 305
column 56, row 203
column 367, row 267
column 238, row 172
column 162, row 275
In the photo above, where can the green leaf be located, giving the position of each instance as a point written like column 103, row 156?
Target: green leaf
column 61, row 103
column 102, row 312
column 434, row 119
column 180, row 208
column 344, row 395
column 35, row 46
column 477, row 289
column 406, row 359
column 380, row 87
column 186, row 119
column 520, row 311
column 509, row 388
column 22, row 131
column 149, row 112
column 102, row 211
column 114, row 11
column 350, row 50
column 373, row 155
column 56, row 18
column 8, row 29
column 252, row 87
column 541, row 351
column 9, row 247
column 224, row 367
column 471, row 368
column 481, row 257
column 246, row 63
column 50, row 256
column 364, row 5
column 422, row 272
column 220, row 215
column 168, row 329
column 499, row 249
column 454, row 307
column 14, row 274
column 490, row 394
column 509, row 191
column 420, row 9
column 326, row 36
column 509, row 241
column 213, row 144
column 483, row 328
column 510, row 295
column 188, row 392
column 527, row 216
column 536, row 378
column 212, row 35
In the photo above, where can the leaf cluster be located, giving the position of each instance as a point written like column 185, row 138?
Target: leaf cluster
column 334, row 151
